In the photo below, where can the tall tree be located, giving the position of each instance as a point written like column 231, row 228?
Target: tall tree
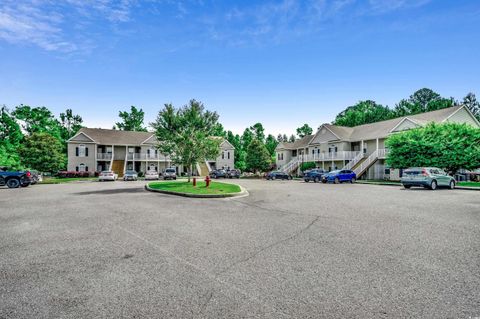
column 271, row 144
column 131, row 121
column 218, row 130
column 449, row 145
column 363, row 112
column 285, row 138
column 304, row 130
column 258, row 131
column 239, row 154
column 258, row 158
column 38, row 120
column 292, row 138
column 70, row 124
column 470, row 101
column 43, row 152
column 185, row 134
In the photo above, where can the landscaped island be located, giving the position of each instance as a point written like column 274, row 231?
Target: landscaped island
column 184, row 187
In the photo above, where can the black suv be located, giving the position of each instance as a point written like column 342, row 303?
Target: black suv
column 14, row 179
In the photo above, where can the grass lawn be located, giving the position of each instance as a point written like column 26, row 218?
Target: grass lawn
column 469, row 184
column 56, row 180
column 186, row 187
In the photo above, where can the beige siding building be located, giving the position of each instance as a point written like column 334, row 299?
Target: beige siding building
column 360, row 148
column 94, row 149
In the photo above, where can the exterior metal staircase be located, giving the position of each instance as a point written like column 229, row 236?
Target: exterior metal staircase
column 290, row 166
column 203, row 169
column 351, row 164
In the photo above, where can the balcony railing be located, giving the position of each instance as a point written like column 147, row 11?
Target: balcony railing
column 147, row 156
column 104, row 156
column 331, row 156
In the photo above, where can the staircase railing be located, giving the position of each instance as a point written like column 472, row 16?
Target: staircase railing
column 354, row 161
column 369, row 161
column 290, row 166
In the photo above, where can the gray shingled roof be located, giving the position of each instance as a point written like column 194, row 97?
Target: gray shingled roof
column 116, row 137
column 303, row 142
column 382, row 129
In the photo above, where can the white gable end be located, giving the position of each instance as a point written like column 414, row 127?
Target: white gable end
column 323, row 135
column 82, row 138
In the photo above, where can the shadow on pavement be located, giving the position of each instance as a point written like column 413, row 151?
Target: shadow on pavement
column 113, row 191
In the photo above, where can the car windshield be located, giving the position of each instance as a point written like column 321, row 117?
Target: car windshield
column 170, row 170
column 334, row 172
column 107, row 172
column 130, row 172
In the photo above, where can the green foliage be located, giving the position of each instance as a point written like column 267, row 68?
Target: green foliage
column 185, row 134
column 70, row 124
column 470, row 101
column 218, row 130
column 240, row 154
column 307, row 165
column 292, row 138
column 38, row 120
column 186, row 187
column 43, row 152
column 258, row 158
column 450, row 146
column 304, row 130
column 423, row 100
column 271, row 144
column 10, row 139
column 363, row 112
column 131, row 121
column 258, row 131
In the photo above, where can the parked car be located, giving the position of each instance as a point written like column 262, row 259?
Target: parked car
column 339, row 176
column 130, row 176
column 14, row 179
column 233, row 173
column 107, row 176
column 217, row 173
column 170, row 173
column 149, row 175
column 278, row 175
column 314, row 175
column 428, row 177
column 36, row 177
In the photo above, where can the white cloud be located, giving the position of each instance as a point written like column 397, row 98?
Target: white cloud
column 383, row 6
column 44, row 22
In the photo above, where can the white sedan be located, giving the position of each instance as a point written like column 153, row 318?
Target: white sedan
column 149, row 175
column 107, row 176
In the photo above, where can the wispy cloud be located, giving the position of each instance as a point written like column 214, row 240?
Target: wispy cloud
column 383, row 6
column 44, row 22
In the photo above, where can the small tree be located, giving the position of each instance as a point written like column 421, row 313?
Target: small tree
column 43, row 152
column 470, row 101
column 185, row 134
column 258, row 158
column 131, row 121
column 450, row 146
column 70, row 124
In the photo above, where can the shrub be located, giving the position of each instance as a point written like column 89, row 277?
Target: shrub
column 307, row 165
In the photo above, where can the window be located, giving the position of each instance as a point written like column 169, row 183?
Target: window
column 109, row 150
column 81, row 168
column 223, row 155
column 294, row 153
column 131, row 150
column 228, row 155
column 81, row 150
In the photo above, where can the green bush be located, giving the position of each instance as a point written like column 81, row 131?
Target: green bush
column 307, row 165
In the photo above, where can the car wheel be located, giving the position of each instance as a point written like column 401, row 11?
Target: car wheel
column 306, row 180
column 433, row 185
column 316, row 180
column 274, row 177
column 324, row 181
column 352, row 180
column 407, row 186
column 452, row 185
column 13, row 183
column 337, row 181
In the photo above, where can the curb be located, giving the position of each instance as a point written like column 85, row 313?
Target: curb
column 468, row 188
column 400, row 185
column 243, row 192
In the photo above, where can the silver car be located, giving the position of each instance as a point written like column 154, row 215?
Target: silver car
column 151, row 175
column 170, row 173
column 130, row 176
column 428, row 177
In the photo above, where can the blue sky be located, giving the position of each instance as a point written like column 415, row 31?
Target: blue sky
column 282, row 63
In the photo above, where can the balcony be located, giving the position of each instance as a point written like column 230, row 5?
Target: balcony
column 147, row 157
column 104, row 156
column 331, row 156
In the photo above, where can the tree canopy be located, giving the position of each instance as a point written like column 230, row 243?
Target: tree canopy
column 131, row 121
column 70, row 124
column 43, row 152
column 363, row 112
column 186, row 134
column 37, row 120
column 470, row 101
column 304, row 130
column 449, row 145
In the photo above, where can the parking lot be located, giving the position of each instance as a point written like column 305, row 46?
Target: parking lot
column 289, row 250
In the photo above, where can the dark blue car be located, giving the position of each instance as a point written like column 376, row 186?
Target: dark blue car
column 314, row 175
column 339, row 176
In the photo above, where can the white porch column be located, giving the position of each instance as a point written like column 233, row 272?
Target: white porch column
column 126, row 159
column 113, row 155
column 377, row 143
column 361, row 147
